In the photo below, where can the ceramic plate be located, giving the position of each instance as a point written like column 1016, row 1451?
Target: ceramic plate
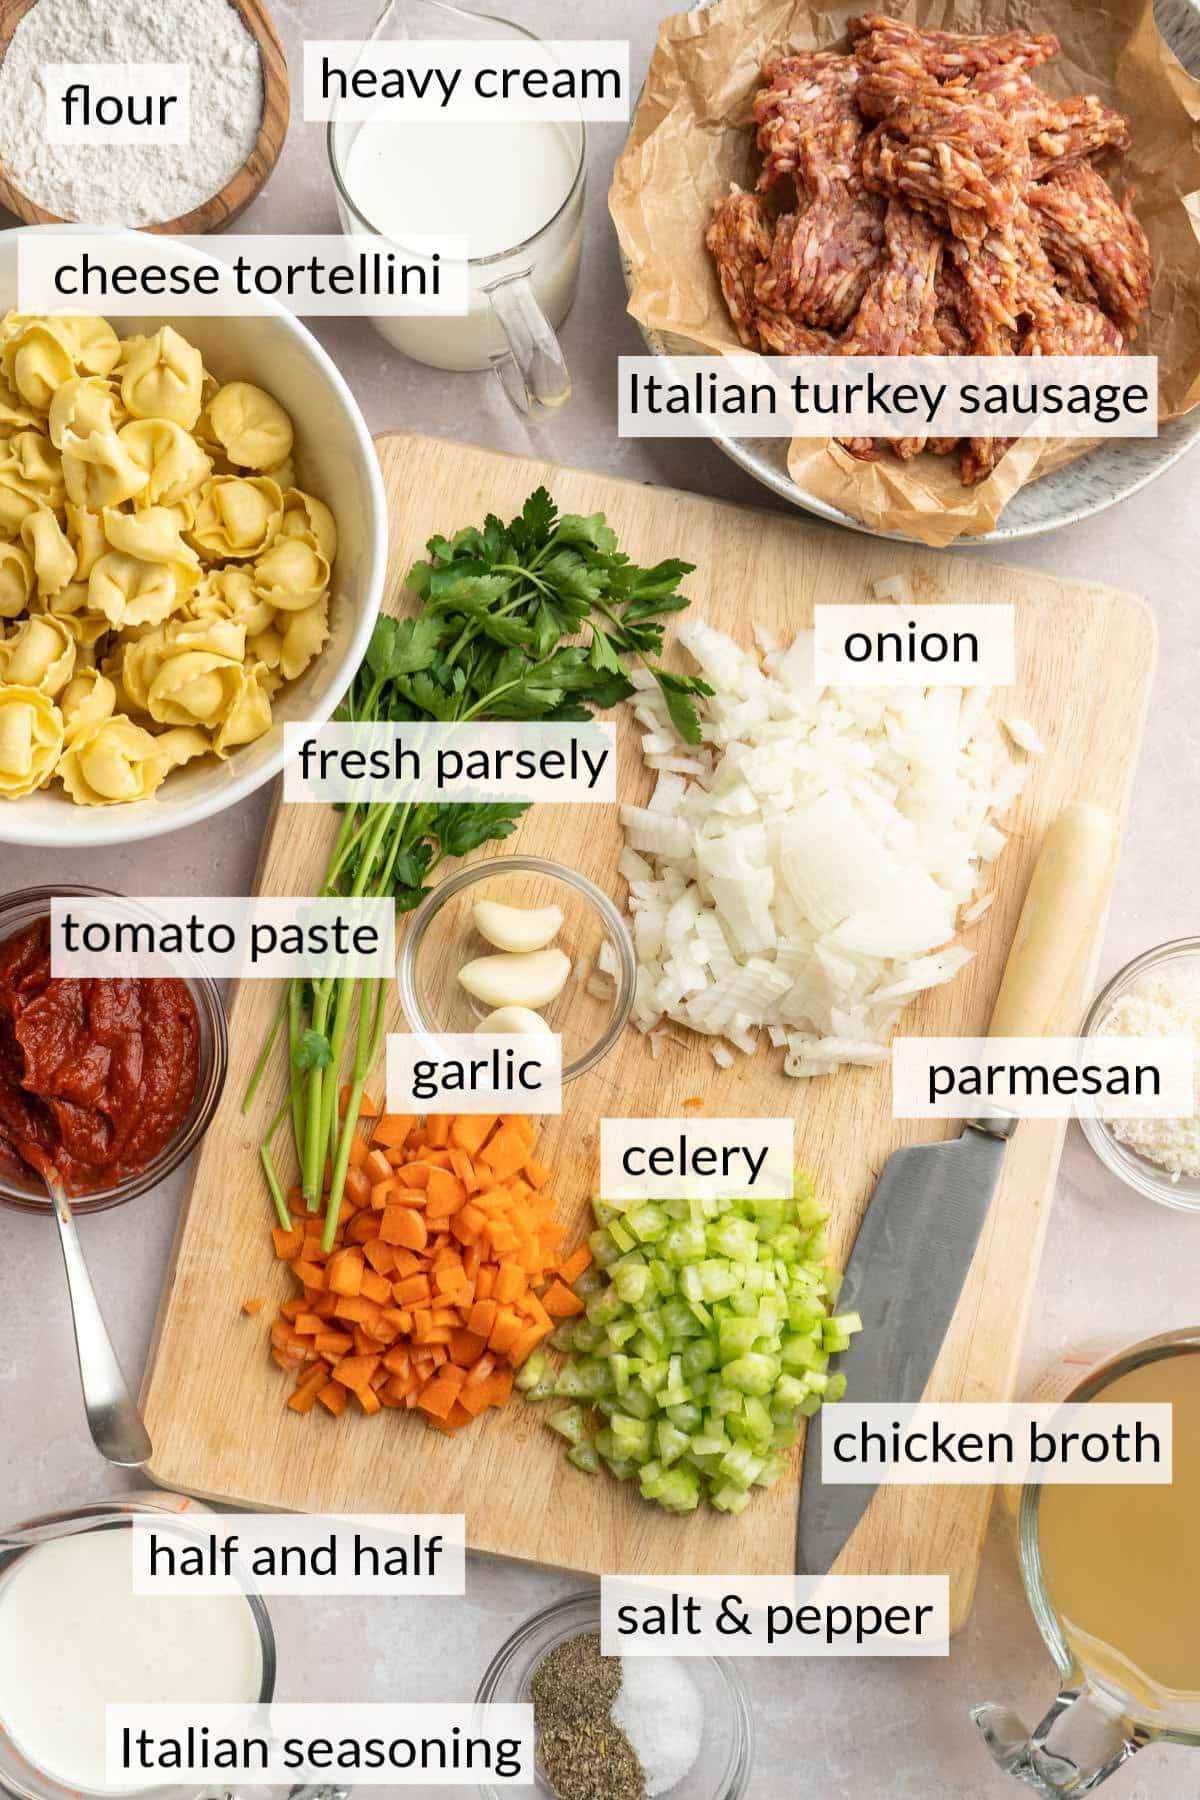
column 1105, row 475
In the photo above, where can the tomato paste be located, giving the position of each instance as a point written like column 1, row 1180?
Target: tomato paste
column 95, row 1076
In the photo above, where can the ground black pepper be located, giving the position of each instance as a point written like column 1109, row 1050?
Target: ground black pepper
column 584, row 1754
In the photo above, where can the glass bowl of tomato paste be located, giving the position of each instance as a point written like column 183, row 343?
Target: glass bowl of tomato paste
column 111, row 1082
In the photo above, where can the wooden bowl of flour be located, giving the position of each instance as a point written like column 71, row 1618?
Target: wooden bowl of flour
column 224, row 207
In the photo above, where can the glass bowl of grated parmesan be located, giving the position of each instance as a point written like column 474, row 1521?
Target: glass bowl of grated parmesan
column 1157, row 995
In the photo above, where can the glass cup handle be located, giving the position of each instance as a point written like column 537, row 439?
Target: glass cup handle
column 1092, row 1743
column 531, row 369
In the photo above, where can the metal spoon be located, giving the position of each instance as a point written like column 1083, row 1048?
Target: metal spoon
column 113, row 1419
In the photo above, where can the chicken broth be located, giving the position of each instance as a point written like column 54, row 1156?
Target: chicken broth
column 1119, row 1562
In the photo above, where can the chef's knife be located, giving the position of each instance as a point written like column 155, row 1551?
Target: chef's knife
column 915, row 1245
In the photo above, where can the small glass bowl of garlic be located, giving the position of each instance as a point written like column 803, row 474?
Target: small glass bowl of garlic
column 520, row 944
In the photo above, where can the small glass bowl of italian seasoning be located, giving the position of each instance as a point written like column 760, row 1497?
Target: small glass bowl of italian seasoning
column 622, row 1728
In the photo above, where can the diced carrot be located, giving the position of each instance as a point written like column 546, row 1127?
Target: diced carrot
column 446, row 1193
column 482, row 1317
column 560, row 1302
column 505, row 1152
column 368, row 1108
column 376, row 1287
column 464, row 1170
column 356, row 1371
column 405, row 1226
column 356, row 1308
column 377, row 1167
column 381, row 1256
column 357, row 1191
column 505, row 1331
column 392, row 1130
column 526, row 1343
column 466, row 1348
column 469, row 1132
column 510, row 1283
column 254, row 1306
column 346, row 1272
column 576, row 1265
column 502, row 1236
column 412, row 1290
column 427, row 1301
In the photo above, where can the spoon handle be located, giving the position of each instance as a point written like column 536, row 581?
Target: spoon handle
column 113, row 1419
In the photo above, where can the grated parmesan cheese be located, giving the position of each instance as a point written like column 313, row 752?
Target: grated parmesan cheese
column 1153, row 1008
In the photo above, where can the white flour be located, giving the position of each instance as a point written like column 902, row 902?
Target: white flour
column 131, row 184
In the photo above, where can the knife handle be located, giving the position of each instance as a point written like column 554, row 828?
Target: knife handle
column 1066, row 894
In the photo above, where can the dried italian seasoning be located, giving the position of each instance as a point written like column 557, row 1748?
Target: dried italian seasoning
column 584, row 1754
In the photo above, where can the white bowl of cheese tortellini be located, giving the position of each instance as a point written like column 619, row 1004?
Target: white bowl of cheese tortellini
column 193, row 539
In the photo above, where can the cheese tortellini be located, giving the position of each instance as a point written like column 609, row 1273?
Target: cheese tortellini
column 162, row 574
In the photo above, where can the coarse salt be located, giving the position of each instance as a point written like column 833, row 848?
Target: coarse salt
column 659, row 1709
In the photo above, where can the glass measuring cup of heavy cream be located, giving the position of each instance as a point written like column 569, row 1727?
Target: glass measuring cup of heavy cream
column 73, row 1637
column 1114, row 1584
column 514, row 190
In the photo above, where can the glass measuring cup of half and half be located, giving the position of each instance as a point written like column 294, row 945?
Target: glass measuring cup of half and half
column 514, row 190
column 1113, row 1581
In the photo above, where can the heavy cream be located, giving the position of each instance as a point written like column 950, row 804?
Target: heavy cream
column 73, row 1637
column 498, row 184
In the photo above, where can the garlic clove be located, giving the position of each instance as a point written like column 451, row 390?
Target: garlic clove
column 525, row 979
column 520, row 1019
column 517, row 928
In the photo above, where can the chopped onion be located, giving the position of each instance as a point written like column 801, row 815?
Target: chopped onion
column 809, row 874
column 1023, row 734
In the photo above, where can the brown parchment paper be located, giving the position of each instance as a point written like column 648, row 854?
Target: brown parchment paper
column 692, row 135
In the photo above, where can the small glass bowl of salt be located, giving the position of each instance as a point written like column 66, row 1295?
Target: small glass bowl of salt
column 1155, row 995
column 687, row 1719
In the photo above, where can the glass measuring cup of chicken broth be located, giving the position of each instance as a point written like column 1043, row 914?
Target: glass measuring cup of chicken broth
column 74, row 1637
column 515, row 191
column 1114, row 1584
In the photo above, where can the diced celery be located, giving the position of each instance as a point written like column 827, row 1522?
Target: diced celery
column 752, row 1373
column 533, row 1371
column 603, row 1247
column 568, row 1422
column 622, row 1235
column 648, row 1222
column 706, row 1336
column 735, row 1337
column 684, row 1243
column 686, row 1415
column 631, row 1282
column 671, row 1441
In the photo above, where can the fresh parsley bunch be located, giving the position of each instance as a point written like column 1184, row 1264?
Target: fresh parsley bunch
column 531, row 621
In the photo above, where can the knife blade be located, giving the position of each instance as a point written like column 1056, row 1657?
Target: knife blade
column 922, row 1226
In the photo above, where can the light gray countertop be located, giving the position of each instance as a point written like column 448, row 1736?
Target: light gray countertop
column 1115, row 1268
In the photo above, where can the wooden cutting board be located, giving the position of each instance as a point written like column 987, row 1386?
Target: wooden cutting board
column 214, row 1402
